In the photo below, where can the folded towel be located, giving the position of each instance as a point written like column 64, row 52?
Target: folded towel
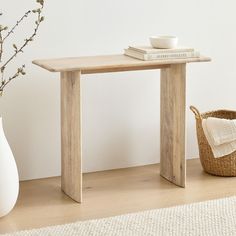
column 221, row 130
column 221, row 135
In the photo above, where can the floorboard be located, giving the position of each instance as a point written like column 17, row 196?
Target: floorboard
column 108, row 193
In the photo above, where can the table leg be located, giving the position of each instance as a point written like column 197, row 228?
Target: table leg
column 172, row 147
column 71, row 179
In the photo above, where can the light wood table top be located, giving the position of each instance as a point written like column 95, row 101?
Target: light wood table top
column 108, row 63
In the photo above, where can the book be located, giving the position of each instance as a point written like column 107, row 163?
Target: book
column 151, row 50
column 160, row 56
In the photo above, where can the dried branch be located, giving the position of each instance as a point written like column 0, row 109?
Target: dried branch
column 17, row 49
column 2, row 29
column 16, row 25
column 20, row 71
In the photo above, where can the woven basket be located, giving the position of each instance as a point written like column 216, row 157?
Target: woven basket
column 222, row 166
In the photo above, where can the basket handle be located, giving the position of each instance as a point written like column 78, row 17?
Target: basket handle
column 196, row 112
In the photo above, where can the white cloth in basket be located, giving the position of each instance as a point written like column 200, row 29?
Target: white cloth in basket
column 221, row 135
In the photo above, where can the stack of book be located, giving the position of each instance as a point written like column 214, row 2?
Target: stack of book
column 148, row 53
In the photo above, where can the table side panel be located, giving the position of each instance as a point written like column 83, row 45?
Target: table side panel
column 71, row 152
column 173, row 85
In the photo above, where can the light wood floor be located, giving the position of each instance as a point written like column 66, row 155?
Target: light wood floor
column 108, row 193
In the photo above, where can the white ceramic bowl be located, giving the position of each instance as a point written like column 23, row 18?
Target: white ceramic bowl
column 165, row 41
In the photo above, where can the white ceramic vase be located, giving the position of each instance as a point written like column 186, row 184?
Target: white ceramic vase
column 9, row 179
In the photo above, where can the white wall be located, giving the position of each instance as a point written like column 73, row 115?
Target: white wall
column 120, row 111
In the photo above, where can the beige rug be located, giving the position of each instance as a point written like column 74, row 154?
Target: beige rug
column 216, row 218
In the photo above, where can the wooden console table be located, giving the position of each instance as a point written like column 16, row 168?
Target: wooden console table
column 173, row 77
